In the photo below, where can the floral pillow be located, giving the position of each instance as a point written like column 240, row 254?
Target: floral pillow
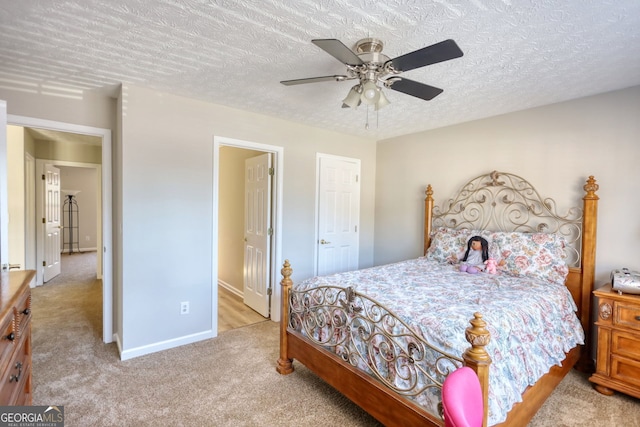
column 448, row 244
column 539, row 255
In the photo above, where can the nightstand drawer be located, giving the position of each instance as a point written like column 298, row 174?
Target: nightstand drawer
column 627, row 315
column 625, row 344
column 625, row 370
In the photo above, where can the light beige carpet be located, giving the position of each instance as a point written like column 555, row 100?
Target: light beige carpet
column 226, row 381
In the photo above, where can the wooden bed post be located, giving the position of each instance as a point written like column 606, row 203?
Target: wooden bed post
column 428, row 216
column 477, row 358
column 285, row 364
column 588, row 250
column 588, row 264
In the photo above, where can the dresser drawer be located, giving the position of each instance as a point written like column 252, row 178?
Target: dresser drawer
column 8, row 339
column 23, row 313
column 626, row 315
column 14, row 378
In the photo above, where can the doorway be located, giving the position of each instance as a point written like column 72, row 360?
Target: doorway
column 223, row 186
column 104, row 238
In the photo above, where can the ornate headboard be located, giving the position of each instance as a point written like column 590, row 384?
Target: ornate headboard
column 501, row 201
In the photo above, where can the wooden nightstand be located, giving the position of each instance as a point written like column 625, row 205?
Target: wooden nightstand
column 618, row 329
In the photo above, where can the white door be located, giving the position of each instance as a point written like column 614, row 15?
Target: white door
column 338, row 214
column 4, row 188
column 52, row 227
column 30, row 212
column 257, row 232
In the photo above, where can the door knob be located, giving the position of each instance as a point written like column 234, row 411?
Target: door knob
column 324, row 242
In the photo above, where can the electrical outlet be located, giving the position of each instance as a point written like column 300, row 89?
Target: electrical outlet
column 87, row 238
column 184, row 307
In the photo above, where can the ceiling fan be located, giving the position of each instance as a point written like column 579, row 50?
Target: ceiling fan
column 370, row 66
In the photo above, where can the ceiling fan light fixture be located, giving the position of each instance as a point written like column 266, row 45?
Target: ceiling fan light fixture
column 383, row 101
column 370, row 93
column 353, row 97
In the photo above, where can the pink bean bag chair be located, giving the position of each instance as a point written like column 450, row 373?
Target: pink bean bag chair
column 462, row 401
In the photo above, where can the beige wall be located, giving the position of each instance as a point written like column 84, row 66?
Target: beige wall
column 68, row 151
column 84, row 180
column 167, row 194
column 95, row 108
column 555, row 147
column 231, row 217
column 19, row 142
column 162, row 181
column 29, row 144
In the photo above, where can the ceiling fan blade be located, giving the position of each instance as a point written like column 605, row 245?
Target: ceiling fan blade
column 338, row 50
column 439, row 52
column 336, row 78
column 413, row 88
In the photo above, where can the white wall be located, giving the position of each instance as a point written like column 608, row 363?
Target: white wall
column 167, row 195
column 16, row 194
column 84, row 180
column 555, row 147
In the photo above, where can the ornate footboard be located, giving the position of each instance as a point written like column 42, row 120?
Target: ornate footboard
column 381, row 353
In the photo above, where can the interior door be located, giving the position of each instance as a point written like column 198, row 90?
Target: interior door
column 257, row 232
column 4, row 188
column 52, row 227
column 338, row 214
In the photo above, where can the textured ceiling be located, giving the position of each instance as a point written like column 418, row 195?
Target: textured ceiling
column 518, row 54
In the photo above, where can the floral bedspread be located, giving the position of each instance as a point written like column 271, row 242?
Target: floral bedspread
column 532, row 323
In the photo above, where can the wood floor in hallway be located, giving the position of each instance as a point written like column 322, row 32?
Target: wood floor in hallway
column 233, row 313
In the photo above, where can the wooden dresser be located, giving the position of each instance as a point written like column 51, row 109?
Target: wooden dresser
column 15, row 338
column 618, row 329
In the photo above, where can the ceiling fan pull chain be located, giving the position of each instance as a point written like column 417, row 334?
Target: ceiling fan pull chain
column 366, row 125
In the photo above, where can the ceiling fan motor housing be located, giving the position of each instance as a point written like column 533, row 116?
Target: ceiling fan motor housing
column 369, row 45
column 369, row 51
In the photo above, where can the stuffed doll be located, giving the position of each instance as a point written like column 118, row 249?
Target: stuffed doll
column 491, row 266
column 475, row 256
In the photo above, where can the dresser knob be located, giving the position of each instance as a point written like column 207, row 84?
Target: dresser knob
column 11, row 336
column 638, row 318
column 26, row 311
column 16, row 378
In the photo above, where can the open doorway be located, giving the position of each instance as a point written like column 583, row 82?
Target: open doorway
column 103, row 217
column 229, row 232
column 68, row 201
column 80, row 213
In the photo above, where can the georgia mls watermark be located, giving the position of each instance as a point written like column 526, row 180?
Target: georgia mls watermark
column 31, row 416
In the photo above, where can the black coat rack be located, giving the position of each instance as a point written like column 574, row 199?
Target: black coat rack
column 70, row 223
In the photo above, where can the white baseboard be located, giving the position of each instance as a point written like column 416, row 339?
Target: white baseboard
column 230, row 288
column 164, row 345
column 76, row 250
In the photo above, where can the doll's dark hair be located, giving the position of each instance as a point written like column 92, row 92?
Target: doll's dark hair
column 485, row 247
